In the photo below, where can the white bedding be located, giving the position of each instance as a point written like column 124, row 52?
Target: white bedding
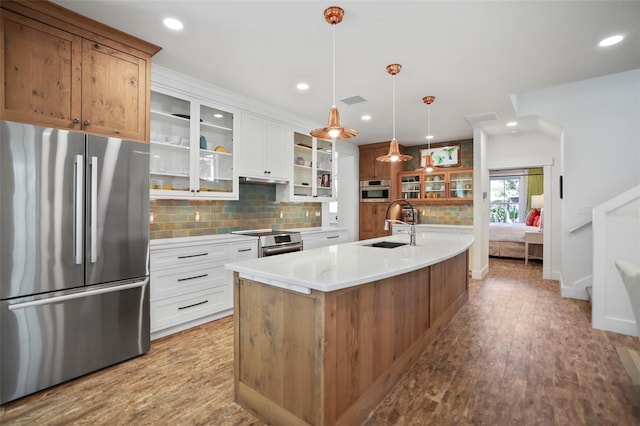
column 509, row 231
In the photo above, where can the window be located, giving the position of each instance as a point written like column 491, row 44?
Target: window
column 505, row 200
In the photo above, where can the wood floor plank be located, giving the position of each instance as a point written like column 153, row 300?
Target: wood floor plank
column 516, row 353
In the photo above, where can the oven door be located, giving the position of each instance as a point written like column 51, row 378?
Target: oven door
column 280, row 249
column 376, row 194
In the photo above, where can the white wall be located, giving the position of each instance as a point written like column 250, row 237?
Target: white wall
column 533, row 149
column 348, row 191
column 480, row 253
column 601, row 152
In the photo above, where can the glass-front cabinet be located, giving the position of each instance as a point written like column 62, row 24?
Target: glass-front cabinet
column 191, row 149
column 461, row 184
column 439, row 186
column 313, row 170
column 435, row 185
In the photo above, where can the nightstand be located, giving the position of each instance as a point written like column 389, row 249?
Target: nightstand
column 533, row 237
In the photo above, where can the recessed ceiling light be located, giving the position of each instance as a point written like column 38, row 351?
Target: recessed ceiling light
column 173, row 24
column 429, row 137
column 218, row 115
column 512, row 123
column 302, row 86
column 366, row 117
column 610, row 41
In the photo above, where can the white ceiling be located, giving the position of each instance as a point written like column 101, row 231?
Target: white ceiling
column 471, row 55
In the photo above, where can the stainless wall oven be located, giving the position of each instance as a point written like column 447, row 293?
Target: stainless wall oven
column 375, row 191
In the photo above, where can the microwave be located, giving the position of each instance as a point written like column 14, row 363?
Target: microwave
column 375, row 191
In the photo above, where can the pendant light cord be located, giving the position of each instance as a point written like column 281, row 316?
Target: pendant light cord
column 333, row 76
column 394, row 106
column 429, row 125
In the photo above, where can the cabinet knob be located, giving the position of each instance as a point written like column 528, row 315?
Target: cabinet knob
column 76, row 121
column 87, row 122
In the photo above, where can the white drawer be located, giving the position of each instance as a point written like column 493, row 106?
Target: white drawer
column 243, row 251
column 196, row 254
column 177, row 310
column 187, row 279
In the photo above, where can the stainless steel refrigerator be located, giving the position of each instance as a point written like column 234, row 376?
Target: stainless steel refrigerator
column 74, row 255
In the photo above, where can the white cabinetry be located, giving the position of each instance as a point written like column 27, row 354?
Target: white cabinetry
column 313, row 170
column 189, row 285
column 263, row 149
column 323, row 238
column 192, row 145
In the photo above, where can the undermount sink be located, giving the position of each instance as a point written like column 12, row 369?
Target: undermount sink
column 386, row 244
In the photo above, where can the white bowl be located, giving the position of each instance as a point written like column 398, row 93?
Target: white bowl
column 175, row 140
column 185, row 141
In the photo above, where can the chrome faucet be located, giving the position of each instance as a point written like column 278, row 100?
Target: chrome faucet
column 412, row 229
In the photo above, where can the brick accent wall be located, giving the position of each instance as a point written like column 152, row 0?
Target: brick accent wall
column 256, row 209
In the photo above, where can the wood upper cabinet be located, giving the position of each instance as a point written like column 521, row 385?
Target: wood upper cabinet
column 370, row 169
column 42, row 73
column 114, row 91
column 63, row 70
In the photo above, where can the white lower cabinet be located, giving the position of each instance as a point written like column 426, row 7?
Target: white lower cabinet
column 324, row 238
column 189, row 284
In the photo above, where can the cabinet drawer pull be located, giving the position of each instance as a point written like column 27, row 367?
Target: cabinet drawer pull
column 193, row 278
column 333, row 237
column 191, row 306
column 241, row 250
column 193, row 255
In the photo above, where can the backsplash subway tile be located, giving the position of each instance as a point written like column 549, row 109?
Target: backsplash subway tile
column 256, row 209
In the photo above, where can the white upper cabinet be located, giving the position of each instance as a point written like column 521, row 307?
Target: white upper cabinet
column 313, row 170
column 263, row 148
column 191, row 148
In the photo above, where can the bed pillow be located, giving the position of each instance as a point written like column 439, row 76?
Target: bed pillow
column 531, row 217
column 536, row 221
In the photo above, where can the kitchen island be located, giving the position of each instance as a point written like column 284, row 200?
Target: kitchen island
column 322, row 336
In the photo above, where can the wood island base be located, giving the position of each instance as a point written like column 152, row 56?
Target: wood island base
column 331, row 358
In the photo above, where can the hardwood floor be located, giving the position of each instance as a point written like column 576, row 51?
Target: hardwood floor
column 517, row 353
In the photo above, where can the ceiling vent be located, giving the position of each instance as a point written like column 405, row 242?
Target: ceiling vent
column 353, row 100
column 475, row 119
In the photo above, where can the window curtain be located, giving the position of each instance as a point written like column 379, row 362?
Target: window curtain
column 535, row 185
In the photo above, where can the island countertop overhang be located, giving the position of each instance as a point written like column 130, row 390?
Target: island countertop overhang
column 346, row 265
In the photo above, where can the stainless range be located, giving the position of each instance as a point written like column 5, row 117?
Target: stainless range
column 272, row 242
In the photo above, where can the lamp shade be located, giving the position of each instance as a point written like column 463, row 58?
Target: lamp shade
column 537, row 201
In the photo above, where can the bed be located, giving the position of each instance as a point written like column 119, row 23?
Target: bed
column 507, row 240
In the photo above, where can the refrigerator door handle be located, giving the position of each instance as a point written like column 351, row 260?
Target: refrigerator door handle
column 78, row 214
column 78, row 295
column 94, row 209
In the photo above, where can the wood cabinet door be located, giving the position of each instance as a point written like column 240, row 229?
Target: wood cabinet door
column 41, row 70
column 114, row 100
column 367, row 220
column 372, row 169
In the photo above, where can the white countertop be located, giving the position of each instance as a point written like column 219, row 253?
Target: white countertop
column 315, row 230
column 347, row 265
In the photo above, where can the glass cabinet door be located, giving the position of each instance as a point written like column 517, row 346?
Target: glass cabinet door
column 169, row 145
column 461, row 184
column 191, row 148
column 215, row 147
column 410, row 186
column 435, row 185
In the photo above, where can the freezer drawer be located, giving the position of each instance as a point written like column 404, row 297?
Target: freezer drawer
column 46, row 341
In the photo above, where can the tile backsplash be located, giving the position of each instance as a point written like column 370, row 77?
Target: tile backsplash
column 256, row 209
column 452, row 214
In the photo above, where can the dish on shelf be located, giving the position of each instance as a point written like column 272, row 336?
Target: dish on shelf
column 220, row 148
column 304, row 145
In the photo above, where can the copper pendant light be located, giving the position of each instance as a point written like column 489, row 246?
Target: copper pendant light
column 334, row 130
column 394, row 150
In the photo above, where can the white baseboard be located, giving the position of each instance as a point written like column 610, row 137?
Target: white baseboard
column 478, row 274
column 578, row 290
